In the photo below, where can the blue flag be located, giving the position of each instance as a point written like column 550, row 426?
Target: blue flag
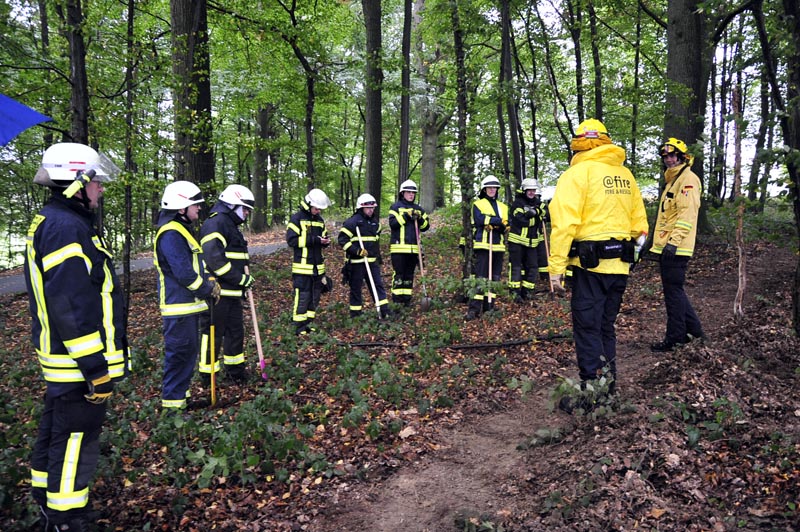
column 16, row 118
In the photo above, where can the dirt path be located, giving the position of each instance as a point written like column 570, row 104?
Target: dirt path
column 480, row 472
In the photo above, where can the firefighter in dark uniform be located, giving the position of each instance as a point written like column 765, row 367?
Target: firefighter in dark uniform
column 78, row 331
column 226, row 256
column 183, row 289
column 489, row 224
column 524, row 240
column 597, row 214
column 360, row 240
column 307, row 235
column 405, row 217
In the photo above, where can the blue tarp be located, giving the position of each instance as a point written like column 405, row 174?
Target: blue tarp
column 16, row 118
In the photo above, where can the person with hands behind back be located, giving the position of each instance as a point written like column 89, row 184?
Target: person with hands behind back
column 78, row 330
column 596, row 215
column 184, row 290
column 489, row 226
column 360, row 240
column 674, row 239
column 226, row 257
column 307, row 236
column 405, row 217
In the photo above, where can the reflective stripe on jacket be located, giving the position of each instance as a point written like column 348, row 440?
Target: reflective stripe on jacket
column 225, row 250
column 525, row 230
column 370, row 229
column 677, row 211
column 178, row 258
column 596, row 199
column 486, row 212
column 76, row 302
column 403, row 237
column 303, row 235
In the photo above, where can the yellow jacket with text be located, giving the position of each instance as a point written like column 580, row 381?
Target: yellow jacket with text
column 596, row 199
column 677, row 211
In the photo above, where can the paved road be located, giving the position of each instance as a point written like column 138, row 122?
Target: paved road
column 15, row 284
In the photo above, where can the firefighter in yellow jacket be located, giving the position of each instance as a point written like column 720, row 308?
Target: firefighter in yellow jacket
column 489, row 226
column 674, row 239
column 597, row 215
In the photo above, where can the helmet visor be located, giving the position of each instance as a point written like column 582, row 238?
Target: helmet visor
column 53, row 173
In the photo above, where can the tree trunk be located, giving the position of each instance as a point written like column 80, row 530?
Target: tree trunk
column 79, row 98
column 514, row 174
column 194, row 156
column 373, row 123
column 598, row 71
column 405, row 98
column 130, row 165
column 265, row 133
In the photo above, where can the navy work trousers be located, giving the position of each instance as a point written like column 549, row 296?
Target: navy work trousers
column 681, row 317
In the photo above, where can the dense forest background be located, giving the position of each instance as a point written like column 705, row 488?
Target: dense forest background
column 352, row 97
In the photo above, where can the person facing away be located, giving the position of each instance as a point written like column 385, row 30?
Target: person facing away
column 78, row 330
column 674, row 240
column 406, row 220
column 183, row 289
column 360, row 240
column 307, row 235
column 227, row 259
column 524, row 239
column 489, row 226
column 596, row 215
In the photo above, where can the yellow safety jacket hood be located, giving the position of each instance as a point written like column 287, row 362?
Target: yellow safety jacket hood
column 596, row 199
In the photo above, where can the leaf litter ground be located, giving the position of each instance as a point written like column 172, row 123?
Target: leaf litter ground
column 430, row 423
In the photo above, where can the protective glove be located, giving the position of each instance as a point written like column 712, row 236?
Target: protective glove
column 669, row 251
column 247, row 281
column 100, row 389
column 363, row 253
column 530, row 211
column 216, row 290
column 637, row 248
column 415, row 214
column 557, row 284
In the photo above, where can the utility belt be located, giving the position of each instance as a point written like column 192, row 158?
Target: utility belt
column 591, row 251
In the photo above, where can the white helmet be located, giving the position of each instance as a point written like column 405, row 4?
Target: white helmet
column 317, row 198
column 62, row 163
column 238, row 195
column 180, row 194
column 408, row 186
column 529, row 184
column 366, row 200
column 490, row 181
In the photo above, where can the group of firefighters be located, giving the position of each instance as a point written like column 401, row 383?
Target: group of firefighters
column 598, row 229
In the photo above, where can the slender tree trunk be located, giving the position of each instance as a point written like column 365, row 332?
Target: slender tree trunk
column 194, row 157
column 265, row 134
column 738, row 301
column 44, row 34
column 373, row 126
column 514, row 173
column 575, row 20
column 405, row 96
column 130, row 165
column 598, row 70
column 79, row 97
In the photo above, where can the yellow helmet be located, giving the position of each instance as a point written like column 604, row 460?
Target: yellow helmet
column 672, row 145
column 591, row 128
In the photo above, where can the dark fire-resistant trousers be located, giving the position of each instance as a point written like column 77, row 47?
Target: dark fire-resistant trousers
column 228, row 335
column 681, row 317
column 523, row 259
column 181, row 349
column 65, row 454
column 479, row 301
column 596, row 299
column 404, row 265
column 357, row 279
column 307, row 292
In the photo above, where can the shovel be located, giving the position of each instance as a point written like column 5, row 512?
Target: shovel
column 369, row 275
column 425, row 303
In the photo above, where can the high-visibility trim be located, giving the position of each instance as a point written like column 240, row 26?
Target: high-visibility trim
column 216, row 235
column 74, row 250
column 222, row 270
column 402, row 291
column 403, row 248
column 528, row 285
column 67, row 498
column 234, row 360
column 38, row 479
column 173, row 403
column 63, row 502
column 356, row 308
column 181, row 309
column 204, row 366
column 88, row 344
column 237, row 255
column 229, row 292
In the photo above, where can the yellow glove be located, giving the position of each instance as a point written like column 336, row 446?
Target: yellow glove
column 363, row 253
column 216, row 290
column 100, row 389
